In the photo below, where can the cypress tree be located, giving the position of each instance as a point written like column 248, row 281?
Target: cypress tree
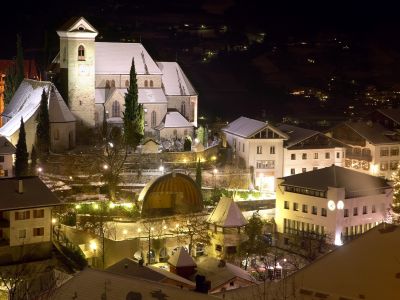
column 33, row 160
column 43, row 126
column 134, row 113
column 20, row 74
column 10, row 84
column 21, row 153
column 199, row 177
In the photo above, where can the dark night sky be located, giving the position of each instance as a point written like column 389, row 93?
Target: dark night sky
column 33, row 18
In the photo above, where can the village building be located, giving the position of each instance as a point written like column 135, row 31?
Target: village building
column 333, row 202
column 7, row 151
column 25, row 105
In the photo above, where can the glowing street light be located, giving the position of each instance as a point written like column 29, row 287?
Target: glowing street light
column 53, row 221
column 93, row 246
column 105, row 167
column 161, row 169
column 40, row 169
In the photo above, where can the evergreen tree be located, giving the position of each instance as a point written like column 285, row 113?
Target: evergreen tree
column 134, row 113
column 20, row 74
column 21, row 153
column 43, row 126
column 199, row 177
column 200, row 134
column 10, row 84
column 33, row 160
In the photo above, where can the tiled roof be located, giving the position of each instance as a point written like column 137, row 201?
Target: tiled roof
column 296, row 134
column 374, row 132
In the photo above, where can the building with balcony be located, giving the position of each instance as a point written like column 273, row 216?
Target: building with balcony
column 333, row 202
column 25, row 217
column 373, row 149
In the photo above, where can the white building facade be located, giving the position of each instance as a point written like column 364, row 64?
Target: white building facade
column 7, row 152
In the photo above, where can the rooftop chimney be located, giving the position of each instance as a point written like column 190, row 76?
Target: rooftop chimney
column 20, row 186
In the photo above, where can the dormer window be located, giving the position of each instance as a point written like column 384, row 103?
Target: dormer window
column 81, row 28
column 81, row 53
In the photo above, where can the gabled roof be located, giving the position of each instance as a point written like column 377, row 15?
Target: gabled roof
column 26, row 101
column 246, row 127
column 296, row 134
column 174, row 119
column 129, row 267
column 391, row 113
column 74, row 23
column 227, row 214
column 174, row 80
column 5, row 146
column 374, row 133
column 334, row 176
column 116, row 58
column 220, row 272
column 181, row 258
column 349, row 271
column 35, row 194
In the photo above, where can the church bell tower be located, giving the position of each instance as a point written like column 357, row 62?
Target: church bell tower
column 77, row 68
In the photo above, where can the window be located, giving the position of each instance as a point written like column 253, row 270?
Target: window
column 232, row 283
column 394, row 151
column 22, row 215
column 355, row 211
column 394, row 164
column 116, row 109
column 218, row 248
column 146, row 83
column 145, row 123
column 153, row 119
column 175, row 133
column 81, row 53
column 38, row 231
column 113, row 83
column 384, row 166
column 327, row 155
column 151, row 83
column 304, row 156
column 323, row 212
column 22, row 233
column 286, row 241
column 183, row 107
column 303, row 170
column 230, row 249
column 295, row 206
column 286, row 205
column 272, row 150
column 259, row 149
column 243, row 147
column 292, row 171
column 373, row 209
column 346, row 212
column 314, row 210
column 265, row 164
column 56, row 135
column 337, row 154
column 305, row 208
column 365, row 211
column 126, row 83
column 38, row 213
column 315, row 155
column 293, row 156
column 1, row 158
column 385, row 151
column 80, row 102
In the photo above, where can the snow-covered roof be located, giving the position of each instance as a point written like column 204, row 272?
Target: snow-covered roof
column 174, row 80
column 116, row 58
column 5, row 146
column 58, row 110
column 26, row 102
column 181, row 258
column 246, row 127
column 151, row 96
column 173, row 119
column 227, row 214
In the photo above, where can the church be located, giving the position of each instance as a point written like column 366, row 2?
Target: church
column 98, row 76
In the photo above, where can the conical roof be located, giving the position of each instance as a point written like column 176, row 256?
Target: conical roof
column 181, row 258
column 227, row 214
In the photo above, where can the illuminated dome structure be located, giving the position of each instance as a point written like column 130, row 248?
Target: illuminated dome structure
column 171, row 194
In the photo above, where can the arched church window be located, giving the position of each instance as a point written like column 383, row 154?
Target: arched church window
column 81, row 53
column 108, row 84
column 116, row 109
column 126, row 83
column 146, row 83
column 113, row 83
column 56, row 135
column 183, row 109
column 151, row 83
column 153, row 119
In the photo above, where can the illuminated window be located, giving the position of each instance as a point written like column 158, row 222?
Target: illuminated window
column 81, row 53
column 116, row 109
column 153, row 119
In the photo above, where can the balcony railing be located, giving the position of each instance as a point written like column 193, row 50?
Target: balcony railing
column 359, row 156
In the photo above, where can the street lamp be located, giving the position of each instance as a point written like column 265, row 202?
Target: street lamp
column 105, row 167
column 161, row 169
column 93, row 247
